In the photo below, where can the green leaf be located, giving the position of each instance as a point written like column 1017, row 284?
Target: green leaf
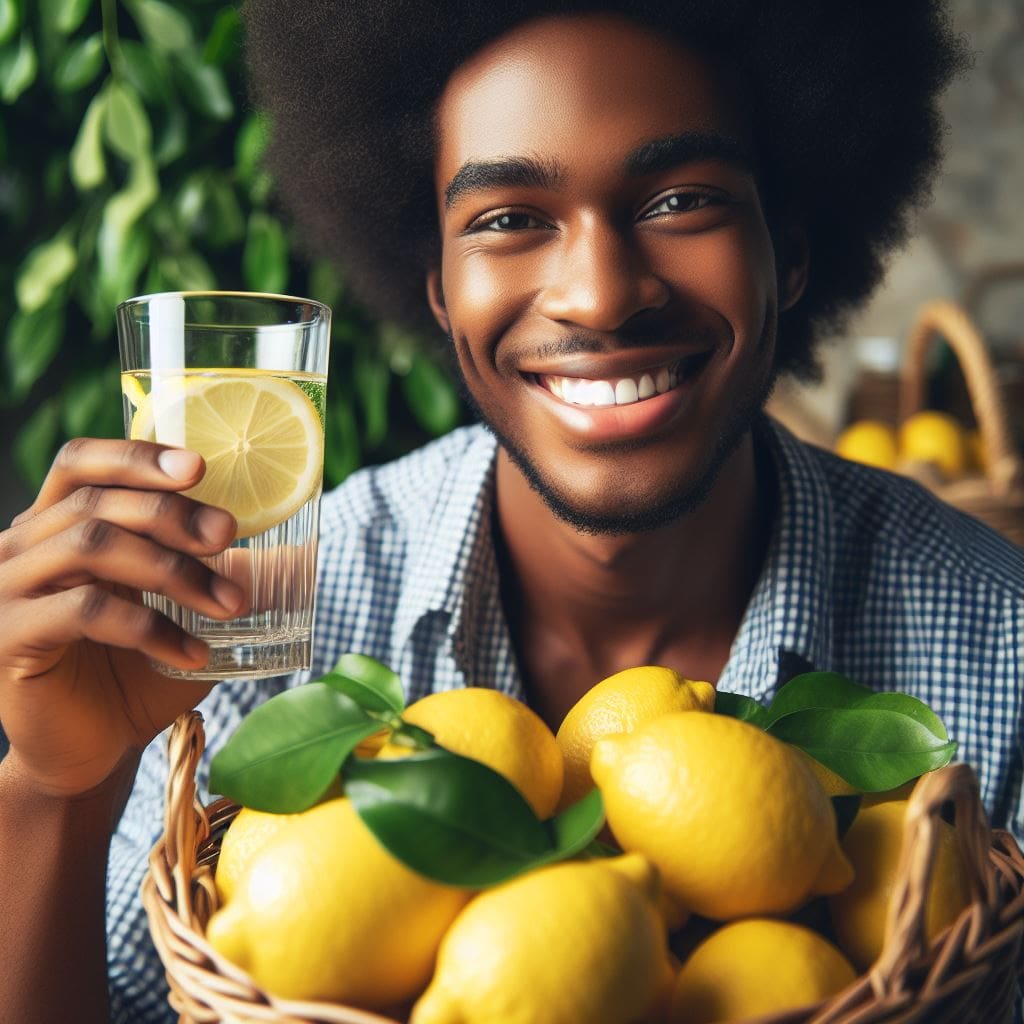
column 913, row 708
column 448, row 817
column 873, row 749
column 576, row 828
column 70, row 14
column 44, row 269
column 173, row 139
column 88, row 168
column 265, row 259
column 126, row 123
column 79, row 64
column 36, row 443
column 287, row 751
column 10, row 20
column 147, row 70
column 162, row 26
column 816, row 690
column 738, row 705
column 372, row 387
column 250, row 144
column 341, row 444
column 119, row 246
column 370, row 683
column 224, row 222
column 222, row 44
column 33, row 339
column 431, row 395
column 18, row 67
column 86, row 408
column 204, row 87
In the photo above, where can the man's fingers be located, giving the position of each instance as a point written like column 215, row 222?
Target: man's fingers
column 169, row 519
column 93, row 612
column 102, row 551
column 136, row 464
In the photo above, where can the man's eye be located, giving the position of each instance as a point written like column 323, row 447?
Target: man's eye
column 680, row 202
column 511, row 221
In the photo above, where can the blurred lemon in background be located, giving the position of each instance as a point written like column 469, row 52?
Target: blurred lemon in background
column 871, row 442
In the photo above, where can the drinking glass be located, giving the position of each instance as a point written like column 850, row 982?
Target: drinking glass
column 241, row 378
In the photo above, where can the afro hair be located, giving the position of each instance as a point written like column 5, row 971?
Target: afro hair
column 843, row 97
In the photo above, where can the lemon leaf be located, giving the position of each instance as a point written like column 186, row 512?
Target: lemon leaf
column 739, row 705
column 575, row 828
column 448, row 817
column 872, row 748
column 371, row 684
column 815, row 690
column 286, row 752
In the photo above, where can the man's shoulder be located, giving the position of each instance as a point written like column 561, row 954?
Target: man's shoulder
column 406, row 492
column 885, row 519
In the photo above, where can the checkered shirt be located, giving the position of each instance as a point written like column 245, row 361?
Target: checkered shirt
column 866, row 574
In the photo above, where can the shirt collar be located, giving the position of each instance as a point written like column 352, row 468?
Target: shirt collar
column 790, row 610
column 453, row 569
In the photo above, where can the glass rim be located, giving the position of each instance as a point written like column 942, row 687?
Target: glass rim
column 323, row 310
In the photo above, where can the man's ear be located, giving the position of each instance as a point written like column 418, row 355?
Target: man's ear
column 793, row 257
column 435, row 296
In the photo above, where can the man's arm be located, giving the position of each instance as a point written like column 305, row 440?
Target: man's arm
column 53, row 858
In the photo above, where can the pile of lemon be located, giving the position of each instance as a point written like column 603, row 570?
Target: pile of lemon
column 929, row 443
column 725, row 848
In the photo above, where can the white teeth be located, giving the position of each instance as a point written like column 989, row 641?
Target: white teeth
column 603, row 393
column 626, row 392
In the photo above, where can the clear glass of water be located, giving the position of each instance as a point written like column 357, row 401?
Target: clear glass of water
column 242, row 379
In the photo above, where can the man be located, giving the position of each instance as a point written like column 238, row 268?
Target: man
column 628, row 225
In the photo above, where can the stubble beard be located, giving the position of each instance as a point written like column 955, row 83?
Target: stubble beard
column 675, row 503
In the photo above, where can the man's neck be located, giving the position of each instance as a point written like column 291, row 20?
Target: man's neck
column 581, row 607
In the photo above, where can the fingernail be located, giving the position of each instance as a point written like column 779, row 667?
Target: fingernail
column 214, row 525
column 178, row 463
column 227, row 594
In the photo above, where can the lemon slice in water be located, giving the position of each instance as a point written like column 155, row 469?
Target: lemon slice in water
column 261, row 437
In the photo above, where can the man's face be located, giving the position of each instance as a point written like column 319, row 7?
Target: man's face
column 608, row 278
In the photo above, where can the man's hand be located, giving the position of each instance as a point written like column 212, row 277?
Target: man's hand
column 76, row 688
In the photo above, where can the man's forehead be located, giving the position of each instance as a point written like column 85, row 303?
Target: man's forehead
column 531, row 88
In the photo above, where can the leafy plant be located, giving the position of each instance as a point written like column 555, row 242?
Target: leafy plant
column 130, row 163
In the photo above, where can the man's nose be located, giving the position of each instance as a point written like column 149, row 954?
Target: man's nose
column 599, row 279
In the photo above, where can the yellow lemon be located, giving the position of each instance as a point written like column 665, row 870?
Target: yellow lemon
column 936, row 438
column 323, row 911
column 261, row 436
column 733, row 818
column 870, row 442
column 572, row 942
column 246, row 836
column 873, row 845
column 497, row 730
column 619, row 704
column 888, row 795
column 757, row 966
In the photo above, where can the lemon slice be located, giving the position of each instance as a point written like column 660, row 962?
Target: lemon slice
column 260, row 435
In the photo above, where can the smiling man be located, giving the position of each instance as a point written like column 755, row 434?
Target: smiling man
column 627, row 221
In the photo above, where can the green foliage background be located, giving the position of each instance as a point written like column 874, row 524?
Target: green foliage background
column 130, row 163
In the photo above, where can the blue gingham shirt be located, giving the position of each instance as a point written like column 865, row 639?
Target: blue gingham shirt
column 866, row 574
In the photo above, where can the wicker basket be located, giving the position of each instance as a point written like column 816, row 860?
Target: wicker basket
column 997, row 498
column 969, row 975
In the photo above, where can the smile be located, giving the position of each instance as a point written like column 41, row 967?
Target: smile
column 583, row 391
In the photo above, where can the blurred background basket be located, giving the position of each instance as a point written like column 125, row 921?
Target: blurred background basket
column 997, row 496
column 969, row 974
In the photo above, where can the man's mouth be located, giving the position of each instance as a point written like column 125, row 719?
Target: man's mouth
column 585, row 391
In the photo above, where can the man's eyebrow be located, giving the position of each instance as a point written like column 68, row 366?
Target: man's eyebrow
column 508, row 172
column 674, row 150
